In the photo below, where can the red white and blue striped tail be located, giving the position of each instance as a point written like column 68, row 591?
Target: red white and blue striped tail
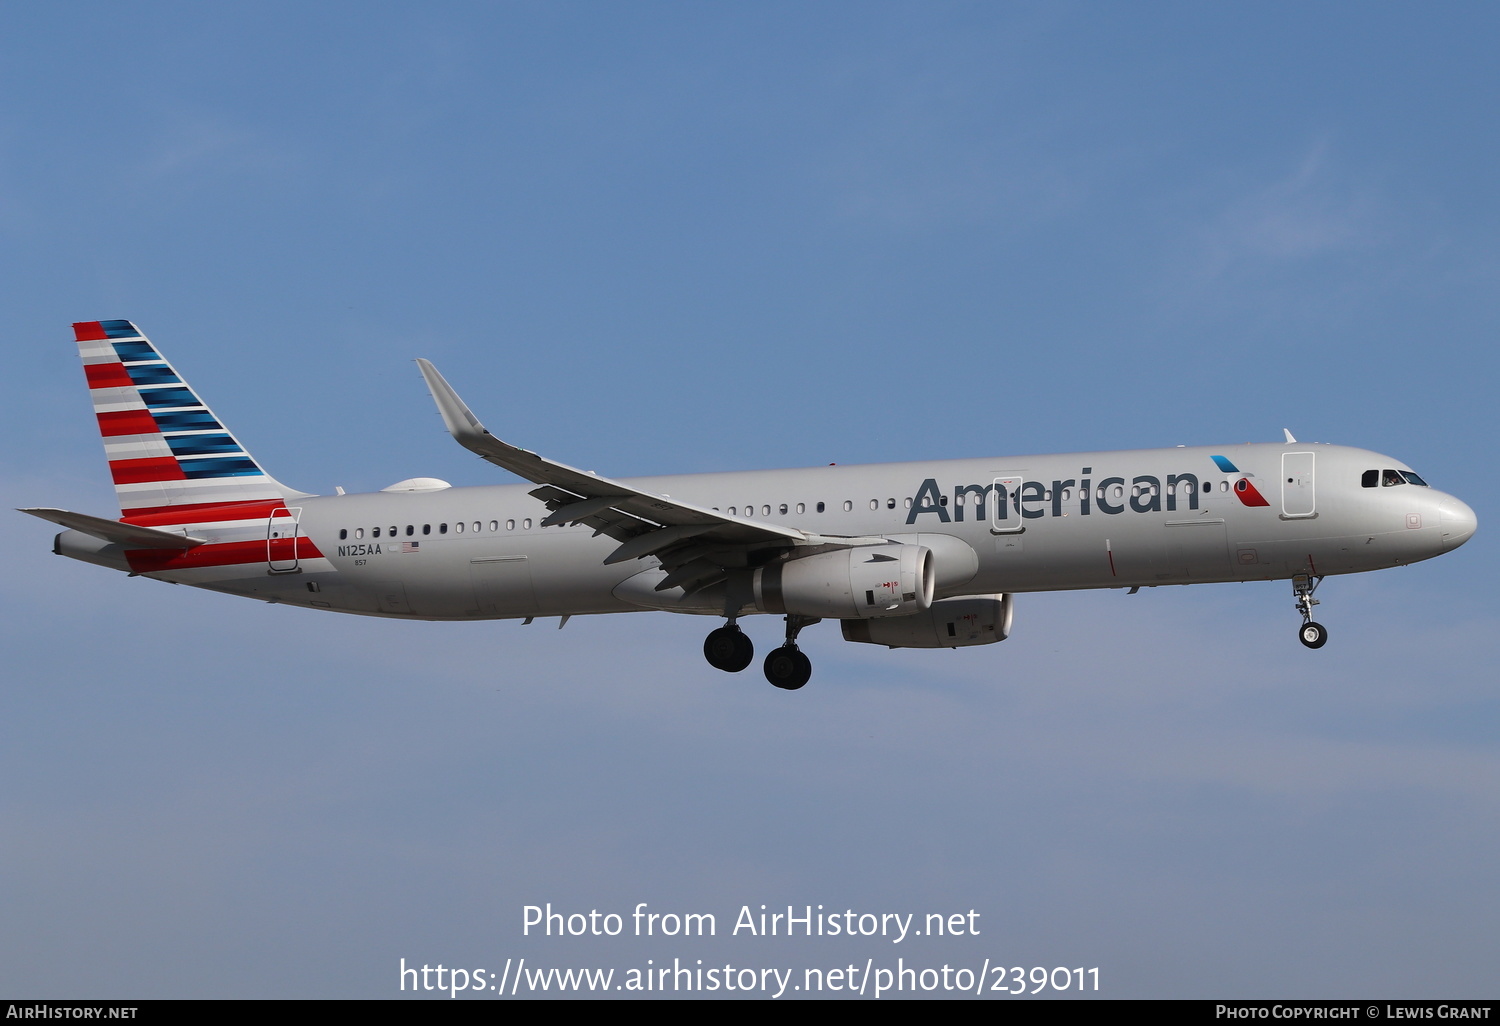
column 167, row 451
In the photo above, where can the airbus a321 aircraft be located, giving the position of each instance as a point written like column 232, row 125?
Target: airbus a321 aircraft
column 908, row 555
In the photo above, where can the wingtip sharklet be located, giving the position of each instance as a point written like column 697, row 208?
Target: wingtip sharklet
column 457, row 416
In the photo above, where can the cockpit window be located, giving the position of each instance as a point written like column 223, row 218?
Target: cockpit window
column 1413, row 479
column 1390, row 477
column 1370, row 479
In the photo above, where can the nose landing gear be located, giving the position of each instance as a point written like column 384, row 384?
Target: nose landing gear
column 1311, row 634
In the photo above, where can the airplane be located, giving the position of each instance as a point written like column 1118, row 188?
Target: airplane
column 906, row 555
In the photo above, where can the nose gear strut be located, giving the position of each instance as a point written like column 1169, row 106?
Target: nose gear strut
column 1311, row 634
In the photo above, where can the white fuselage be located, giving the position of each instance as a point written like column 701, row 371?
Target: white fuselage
column 1089, row 520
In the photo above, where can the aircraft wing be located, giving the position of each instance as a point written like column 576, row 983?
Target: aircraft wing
column 129, row 535
column 693, row 543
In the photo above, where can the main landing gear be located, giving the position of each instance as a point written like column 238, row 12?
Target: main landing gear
column 728, row 649
column 1311, row 634
column 786, row 667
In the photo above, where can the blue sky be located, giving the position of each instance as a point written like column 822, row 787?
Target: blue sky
column 661, row 238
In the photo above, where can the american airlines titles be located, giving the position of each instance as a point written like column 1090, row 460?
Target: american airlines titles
column 1029, row 500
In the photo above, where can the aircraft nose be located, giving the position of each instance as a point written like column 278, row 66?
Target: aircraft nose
column 1457, row 521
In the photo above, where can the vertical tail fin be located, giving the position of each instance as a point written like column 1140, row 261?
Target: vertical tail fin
column 166, row 449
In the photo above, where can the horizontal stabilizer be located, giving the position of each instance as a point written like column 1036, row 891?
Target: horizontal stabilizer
column 128, row 535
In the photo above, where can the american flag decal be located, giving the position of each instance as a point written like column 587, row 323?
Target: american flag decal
column 409, row 546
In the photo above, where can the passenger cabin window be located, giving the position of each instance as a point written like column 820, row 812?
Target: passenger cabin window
column 820, row 507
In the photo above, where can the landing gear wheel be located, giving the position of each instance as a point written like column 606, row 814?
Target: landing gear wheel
column 788, row 668
column 1313, row 635
column 728, row 649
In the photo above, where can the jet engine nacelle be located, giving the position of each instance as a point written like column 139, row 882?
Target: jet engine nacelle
column 948, row 623
column 891, row 580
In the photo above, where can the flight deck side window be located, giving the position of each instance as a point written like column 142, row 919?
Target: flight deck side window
column 1369, row 479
